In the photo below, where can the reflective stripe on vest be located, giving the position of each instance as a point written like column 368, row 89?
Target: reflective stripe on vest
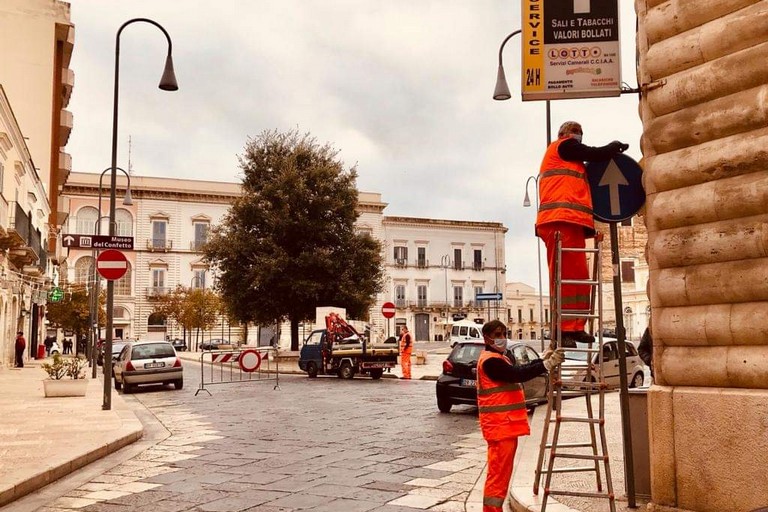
column 564, row 194
column 501, row 404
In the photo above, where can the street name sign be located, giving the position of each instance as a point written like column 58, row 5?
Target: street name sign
column 98, row 242
column 388, row 310
column 617, row 188
column 488, row 296
column 570, row 49
column 111, row 264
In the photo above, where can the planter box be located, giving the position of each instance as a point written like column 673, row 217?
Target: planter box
column 65, row 387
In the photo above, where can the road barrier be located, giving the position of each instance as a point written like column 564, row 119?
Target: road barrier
column 241, row 365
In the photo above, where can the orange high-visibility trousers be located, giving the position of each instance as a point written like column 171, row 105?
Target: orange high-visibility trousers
column 501, row 456
column 573, row 266
column 405, row 362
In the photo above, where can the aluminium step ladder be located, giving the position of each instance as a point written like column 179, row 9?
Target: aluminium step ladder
column 576, row 379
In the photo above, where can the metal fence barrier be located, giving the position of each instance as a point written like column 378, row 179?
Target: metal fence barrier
column 243, row 365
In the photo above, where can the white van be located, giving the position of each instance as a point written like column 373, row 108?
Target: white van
column 465, row 330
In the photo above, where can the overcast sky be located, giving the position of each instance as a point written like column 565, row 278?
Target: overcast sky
column 403, row 88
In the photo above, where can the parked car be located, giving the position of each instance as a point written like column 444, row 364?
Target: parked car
column 213, row 344
column 148, row 362
column 117, row 347
column 457, row 384
column 179, row 344
column 635, row 366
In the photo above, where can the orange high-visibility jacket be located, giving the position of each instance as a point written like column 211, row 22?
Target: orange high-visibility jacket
column 403, row 348
column 564, row 194
column 501, row 404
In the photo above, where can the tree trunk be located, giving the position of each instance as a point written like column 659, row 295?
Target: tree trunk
column 294, row 334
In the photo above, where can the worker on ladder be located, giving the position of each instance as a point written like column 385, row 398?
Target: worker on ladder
column 565, row 206
column 502, row 409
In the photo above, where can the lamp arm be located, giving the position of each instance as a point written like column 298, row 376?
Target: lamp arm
column 505, row 42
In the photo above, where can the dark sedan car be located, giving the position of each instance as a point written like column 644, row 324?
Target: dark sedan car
column 457, row 384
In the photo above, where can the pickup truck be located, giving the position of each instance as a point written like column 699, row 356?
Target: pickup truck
column 345, row 356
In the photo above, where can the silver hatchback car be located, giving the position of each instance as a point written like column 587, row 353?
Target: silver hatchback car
column 635, row 366
column 148, row 362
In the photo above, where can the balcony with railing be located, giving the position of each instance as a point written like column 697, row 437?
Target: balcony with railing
column 459, row 265
column 478, row 265
column 422, row 263
column 159, row 244
column 21, row 239
column 401, row 262
column 155, row 292
column 430, row 305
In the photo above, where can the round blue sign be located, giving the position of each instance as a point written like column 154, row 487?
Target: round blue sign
column 617, row 188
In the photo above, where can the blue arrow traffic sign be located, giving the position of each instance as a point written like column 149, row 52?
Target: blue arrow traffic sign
column 488, row 296
column 617, row 188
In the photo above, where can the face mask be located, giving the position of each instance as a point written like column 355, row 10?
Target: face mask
column 500, row 343
column 577, row 136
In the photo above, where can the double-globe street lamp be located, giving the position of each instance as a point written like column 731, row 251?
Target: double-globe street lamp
column 501, row 92
column 167, row 83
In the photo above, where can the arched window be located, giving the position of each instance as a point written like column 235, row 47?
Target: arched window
column 156, row 320
column 123, row 222
column 119, row 312
column 123, row 285
column 86, row 220
column 83, row 270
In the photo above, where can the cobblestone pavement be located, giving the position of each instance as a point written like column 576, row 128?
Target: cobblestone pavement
column 322, row 445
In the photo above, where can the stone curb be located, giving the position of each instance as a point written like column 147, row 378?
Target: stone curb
column 131, row 431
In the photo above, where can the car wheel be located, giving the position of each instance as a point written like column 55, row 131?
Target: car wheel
column 376, row 373
column 346, row 371
column 118, row 384
column 637, row 380
column 444, row 403
column 312, row 369
column 179, row 383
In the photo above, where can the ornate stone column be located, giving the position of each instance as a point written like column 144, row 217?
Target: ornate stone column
column 704, row 67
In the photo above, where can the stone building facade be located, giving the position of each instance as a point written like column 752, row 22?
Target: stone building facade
column 705, row 133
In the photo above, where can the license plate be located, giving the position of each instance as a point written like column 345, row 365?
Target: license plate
column 154, row 365
column 468, row 382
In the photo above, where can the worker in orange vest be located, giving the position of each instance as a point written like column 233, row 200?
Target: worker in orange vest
column 565, row 206
column 406, row 348
column 502, row 409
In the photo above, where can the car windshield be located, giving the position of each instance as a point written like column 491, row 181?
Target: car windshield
column 466, row 353
column 577, row 356
column 117, row 348
column 153, row 350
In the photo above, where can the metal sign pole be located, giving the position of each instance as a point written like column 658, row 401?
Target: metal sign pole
column 629, row 465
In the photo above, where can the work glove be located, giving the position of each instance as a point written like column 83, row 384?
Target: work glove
column 620, row 146
column 553, row 359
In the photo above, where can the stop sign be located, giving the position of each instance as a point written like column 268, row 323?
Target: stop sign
column 111, row 264
column 388, row 310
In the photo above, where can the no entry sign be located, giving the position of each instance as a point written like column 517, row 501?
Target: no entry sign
column 388, row 310
column 111, row 264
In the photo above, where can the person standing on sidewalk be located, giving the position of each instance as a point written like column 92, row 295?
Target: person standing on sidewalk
column 20, row 346
column 565, row 206
column 406, row 349
column 502, row 409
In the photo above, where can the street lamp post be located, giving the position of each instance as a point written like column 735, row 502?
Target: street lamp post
column 445, row 261
column 527, row 204
column 167, row 83
column 127, row 201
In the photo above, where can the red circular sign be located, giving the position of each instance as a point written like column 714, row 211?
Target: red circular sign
column 249, row 360
column 388, row 310
column 111, row 264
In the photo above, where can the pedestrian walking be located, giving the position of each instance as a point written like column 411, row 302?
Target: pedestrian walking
column 406, row 349
column 20, row 346
column 565, row 207
column 501, row 407
column 48, row 344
